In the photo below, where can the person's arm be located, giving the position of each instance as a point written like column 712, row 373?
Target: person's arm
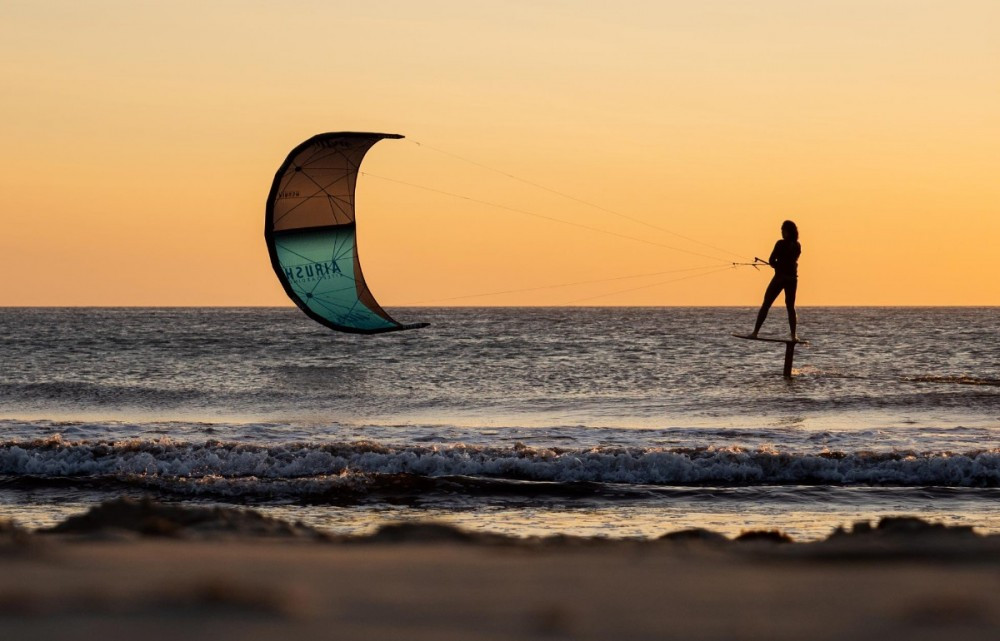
column 773, row 260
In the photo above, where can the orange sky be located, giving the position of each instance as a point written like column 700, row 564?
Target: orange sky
column 139, row 141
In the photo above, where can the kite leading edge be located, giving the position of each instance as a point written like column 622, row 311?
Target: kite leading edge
column 310, row 233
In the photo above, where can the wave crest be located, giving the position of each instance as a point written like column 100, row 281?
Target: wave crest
column 293, row 468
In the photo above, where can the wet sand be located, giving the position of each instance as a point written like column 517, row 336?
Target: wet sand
column 141, row 570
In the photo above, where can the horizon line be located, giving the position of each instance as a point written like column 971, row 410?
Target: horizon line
column 751, row 305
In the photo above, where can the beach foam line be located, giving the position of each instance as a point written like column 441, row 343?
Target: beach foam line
column 168, row 462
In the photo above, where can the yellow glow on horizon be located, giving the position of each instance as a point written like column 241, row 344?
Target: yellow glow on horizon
column 140, row 140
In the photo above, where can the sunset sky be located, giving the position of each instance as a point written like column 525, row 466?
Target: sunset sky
column 138, row 141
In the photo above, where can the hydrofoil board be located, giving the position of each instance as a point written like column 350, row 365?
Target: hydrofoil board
column 772, row 339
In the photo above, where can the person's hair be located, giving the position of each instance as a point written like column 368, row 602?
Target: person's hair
column 790, row 228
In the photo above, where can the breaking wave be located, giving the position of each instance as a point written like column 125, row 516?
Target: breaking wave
column 352, row 471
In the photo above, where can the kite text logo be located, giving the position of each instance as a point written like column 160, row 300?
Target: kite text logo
column 313, row 271
column 287, row 194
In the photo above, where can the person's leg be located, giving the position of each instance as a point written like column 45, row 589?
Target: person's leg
column 770, row 294
column 790, row 288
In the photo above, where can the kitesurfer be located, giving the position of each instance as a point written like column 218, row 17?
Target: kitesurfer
column 785, row 261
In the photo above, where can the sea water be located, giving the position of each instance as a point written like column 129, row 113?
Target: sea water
column 619, row 422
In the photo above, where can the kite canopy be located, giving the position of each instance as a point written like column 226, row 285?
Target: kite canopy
column 310, row 233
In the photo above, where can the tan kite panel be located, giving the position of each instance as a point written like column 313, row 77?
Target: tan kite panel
column 316, row 188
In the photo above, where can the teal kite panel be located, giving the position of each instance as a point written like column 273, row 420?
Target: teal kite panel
column 319, row 267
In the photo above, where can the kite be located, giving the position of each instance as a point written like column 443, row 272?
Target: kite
column 311, row 233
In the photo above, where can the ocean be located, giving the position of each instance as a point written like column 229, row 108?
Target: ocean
column 615, row 422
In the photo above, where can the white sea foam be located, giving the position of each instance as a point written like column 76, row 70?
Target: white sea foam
column 216, row 461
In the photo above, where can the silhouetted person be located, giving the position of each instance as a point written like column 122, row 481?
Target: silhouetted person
column 785, row 261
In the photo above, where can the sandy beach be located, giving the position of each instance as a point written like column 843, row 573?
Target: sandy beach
column 142, row 570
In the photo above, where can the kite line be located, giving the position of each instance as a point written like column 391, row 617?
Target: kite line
column 573, row 198
column 720, row 266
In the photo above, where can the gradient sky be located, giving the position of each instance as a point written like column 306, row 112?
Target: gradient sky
column 138, row 141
